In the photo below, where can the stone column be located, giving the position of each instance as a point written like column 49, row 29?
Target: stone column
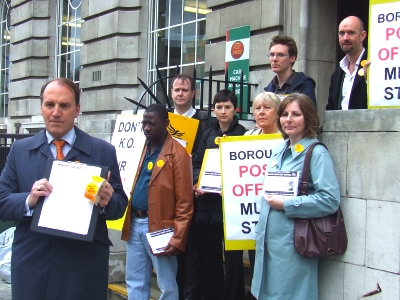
column 31, row 56
column 113, row 55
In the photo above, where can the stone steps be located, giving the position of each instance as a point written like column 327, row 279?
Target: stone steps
column 117, row 291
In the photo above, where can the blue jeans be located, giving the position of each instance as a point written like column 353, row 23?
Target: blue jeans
column 140, row 262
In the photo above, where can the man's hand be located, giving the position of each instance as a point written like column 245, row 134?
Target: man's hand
column 106, row 192
column 40, row 188
column 276, row 202
column 170, row 250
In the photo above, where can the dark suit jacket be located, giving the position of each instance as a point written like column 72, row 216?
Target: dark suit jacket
column 50, row 267
column 358, row 96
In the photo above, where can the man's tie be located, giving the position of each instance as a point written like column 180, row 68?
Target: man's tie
column 59, row 145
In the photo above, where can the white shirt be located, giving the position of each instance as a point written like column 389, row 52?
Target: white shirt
column 190, row 113
column 348, row 79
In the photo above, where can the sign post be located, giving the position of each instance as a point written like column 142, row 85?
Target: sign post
column 237, row 54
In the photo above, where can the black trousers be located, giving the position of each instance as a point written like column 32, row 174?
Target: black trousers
column 190, row 266
column 216, row 286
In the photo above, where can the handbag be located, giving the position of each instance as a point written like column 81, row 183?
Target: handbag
column 317, row 237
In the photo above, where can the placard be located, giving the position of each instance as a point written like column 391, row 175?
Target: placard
column 243, row 165
column 129, row 141
column 183, row 129
column 384, row 54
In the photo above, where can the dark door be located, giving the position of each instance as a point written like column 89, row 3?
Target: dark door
column 345, row 8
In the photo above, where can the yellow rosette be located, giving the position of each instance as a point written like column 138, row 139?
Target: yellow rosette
column 216, row 141
column 92, row 189
column 361, row 72
column 298, row 148
column 362, row 63
column 150, row 166
column 160, row 163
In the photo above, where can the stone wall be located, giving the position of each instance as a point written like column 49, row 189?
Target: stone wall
column 365, row 146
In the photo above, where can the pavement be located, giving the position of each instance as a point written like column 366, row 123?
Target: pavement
column 5, row 290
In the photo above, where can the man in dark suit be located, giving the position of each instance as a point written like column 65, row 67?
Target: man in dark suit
column 189, row 275
column 45, row 266
column 348, row 89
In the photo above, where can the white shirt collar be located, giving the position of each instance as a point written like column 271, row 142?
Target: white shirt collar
column 188, row 113
column 344, row 63
column 69, row 137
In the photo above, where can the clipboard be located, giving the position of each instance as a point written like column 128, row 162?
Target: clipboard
column 66, row 212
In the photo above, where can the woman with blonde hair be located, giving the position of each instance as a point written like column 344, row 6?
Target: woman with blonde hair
column 265, row 107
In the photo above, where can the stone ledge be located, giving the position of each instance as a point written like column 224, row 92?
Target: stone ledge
column 362, row 120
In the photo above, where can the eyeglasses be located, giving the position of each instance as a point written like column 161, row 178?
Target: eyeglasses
column 279, row 55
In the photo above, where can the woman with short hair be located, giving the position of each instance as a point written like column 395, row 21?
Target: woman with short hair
column 265, row 107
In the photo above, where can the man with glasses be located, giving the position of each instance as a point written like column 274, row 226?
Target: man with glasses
column 282, row 56
column 348, row 89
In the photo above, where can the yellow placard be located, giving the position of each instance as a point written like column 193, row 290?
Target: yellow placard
column 117, row 224
column 184, row 129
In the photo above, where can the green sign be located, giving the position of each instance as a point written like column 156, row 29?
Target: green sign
column 237, row 54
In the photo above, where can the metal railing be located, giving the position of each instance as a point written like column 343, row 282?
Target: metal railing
column 208, row 87
column 6, row 140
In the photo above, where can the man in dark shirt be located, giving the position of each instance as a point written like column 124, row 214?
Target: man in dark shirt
column 282, row 56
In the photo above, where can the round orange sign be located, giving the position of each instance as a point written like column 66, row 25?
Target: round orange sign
column 237, row 49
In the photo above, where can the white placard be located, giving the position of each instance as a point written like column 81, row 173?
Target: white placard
column 244, row 163
column 210, row 174
column 384, row 54
column 129, row 141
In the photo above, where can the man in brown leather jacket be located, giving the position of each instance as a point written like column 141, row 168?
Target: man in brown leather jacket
column 161, row 198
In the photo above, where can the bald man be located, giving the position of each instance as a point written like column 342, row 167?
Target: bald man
column 348, row 89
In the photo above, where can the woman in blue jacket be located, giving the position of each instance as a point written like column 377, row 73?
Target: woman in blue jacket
column 280, row 272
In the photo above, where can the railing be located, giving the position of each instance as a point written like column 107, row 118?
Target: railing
column 6, row 140
column 208, row 87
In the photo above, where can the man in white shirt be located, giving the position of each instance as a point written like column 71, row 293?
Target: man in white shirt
column 189, row 276
column 348, row 89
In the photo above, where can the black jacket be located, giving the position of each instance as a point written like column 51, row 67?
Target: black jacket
column 209, row 205
column 300, row 84
column 358, row 96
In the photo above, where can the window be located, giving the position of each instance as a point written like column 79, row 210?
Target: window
column 68, row 22
column 5, row 57
column 177, row 37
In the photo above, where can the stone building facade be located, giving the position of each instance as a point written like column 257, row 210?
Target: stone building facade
column 112, row 43
column 106, row 45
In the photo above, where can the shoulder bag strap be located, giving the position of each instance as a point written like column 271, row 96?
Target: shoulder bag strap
column 306, row 169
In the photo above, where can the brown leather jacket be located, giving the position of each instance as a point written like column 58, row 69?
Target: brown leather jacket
column 170, row 199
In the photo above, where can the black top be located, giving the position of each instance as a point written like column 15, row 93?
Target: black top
column 209, row 205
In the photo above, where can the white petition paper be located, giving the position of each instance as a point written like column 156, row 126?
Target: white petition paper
column 66, row 208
